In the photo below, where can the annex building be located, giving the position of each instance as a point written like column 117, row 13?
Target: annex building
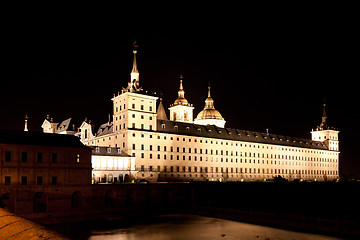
column 188, row 148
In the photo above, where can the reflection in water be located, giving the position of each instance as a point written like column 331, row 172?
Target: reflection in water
column 186, row 227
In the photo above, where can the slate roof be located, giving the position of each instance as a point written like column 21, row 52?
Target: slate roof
column 64, row 126
column 211, row 131
column 103, row 151
column 39, row 139
column 105, row 129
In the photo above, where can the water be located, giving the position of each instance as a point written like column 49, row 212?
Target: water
column 181, row 227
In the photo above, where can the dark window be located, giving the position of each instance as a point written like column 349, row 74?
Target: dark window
column 23, row 180
column 54, row 180
column 7, row 156
column 7, row 180
column 54, row 158
column 39, row 157
column 39, row 180
column 24, row 157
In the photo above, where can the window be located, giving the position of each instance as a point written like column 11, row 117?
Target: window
column 24, row 157
column 54, row 156
column 150, row 108
column 54, row 180
column 7, row 180
column 7, row 156
column 133, row 106
column 39, row 180
column 23, row 180
column 142, row 107
column 77, row 158
column 39, row 157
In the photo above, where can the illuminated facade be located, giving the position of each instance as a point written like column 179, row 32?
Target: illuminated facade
column 111, row 165
column 183, row 149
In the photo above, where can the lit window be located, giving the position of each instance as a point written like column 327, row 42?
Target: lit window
column 77, row 159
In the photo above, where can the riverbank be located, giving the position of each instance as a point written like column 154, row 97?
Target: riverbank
column 180, row 227
column 330, row 207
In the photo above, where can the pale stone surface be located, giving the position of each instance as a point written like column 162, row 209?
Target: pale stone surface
column 15, row 227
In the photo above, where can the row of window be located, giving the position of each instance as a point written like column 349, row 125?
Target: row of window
column 195, row 158
column 237, row 144
column 39, row 157
column 231, row 153
column 133, row 106
column 190, row 169
column 24, row 180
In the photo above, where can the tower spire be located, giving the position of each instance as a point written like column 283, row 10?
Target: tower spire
column 134, row 85
column 181, row 92
column 323, row 118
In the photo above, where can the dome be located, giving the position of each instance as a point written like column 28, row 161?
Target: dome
column 209, row 111
column 209, row 114
column 181, row 100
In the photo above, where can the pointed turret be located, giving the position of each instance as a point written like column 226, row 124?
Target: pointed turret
column 161, row 115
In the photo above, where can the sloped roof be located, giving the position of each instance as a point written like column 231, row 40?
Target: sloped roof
column 211, row 131
column 104, row 129
column 39, row 139
column 64, row 126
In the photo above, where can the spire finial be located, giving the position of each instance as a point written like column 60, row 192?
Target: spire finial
column 26, row 120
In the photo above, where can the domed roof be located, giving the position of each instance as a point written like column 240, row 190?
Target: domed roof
column 181, row 100
column 209, row 114
column 209, row 111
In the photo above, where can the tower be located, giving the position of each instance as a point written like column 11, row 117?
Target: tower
column 132, row 109
column 325, row 133
column 181, row 110
column 209, row 115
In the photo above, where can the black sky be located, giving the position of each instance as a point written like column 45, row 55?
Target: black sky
column 269, row 67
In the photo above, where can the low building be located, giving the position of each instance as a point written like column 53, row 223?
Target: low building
column 111, row 165
column 32, row 158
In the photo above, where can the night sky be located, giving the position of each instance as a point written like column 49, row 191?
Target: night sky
column 268, row 68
